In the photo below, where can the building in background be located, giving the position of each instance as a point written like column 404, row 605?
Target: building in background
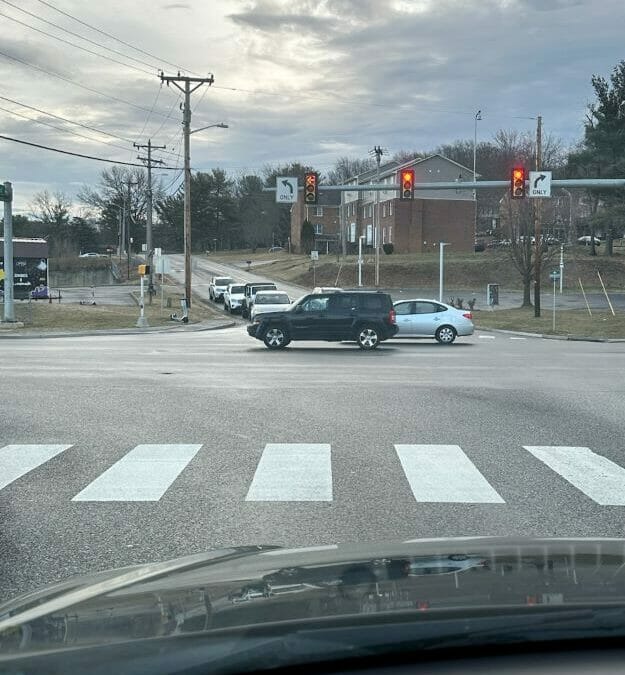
column 412, row 226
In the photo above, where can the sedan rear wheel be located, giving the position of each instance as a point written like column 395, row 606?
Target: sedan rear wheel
column 367, row 337
column 275, row 337
column 445, row 335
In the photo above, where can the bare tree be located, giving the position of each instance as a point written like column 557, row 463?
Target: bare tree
column 51, row 209
column 348, row 167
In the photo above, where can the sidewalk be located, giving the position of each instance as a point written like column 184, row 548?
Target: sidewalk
column 209, row 324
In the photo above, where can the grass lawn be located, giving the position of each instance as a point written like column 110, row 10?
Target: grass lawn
column 70, row 317
column 575, row 322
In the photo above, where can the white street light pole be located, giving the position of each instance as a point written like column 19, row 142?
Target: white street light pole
column 478, row 117
column 561, row 266
column 360, row 240
column 442, row 245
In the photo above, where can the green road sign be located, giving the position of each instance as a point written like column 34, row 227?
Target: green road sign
column 5, row 195
column 555, row 275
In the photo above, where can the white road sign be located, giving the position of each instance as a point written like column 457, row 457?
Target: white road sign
column 286, row 189
column 540, row 184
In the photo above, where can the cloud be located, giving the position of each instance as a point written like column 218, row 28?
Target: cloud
column 177, row 5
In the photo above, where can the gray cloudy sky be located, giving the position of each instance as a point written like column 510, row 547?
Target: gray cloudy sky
column 315, row 79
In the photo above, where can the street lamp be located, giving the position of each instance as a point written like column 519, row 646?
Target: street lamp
column 220, row 125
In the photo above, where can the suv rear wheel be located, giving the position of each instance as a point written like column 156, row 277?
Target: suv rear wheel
column 275, row 337
column 445, row 335
column 367, row 337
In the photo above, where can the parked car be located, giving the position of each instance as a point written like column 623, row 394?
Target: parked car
column 218, row 286
column 276, row 249
column 327, row 289
column 368, row 317
column 90, row 255
column 269, row 301
column 250, row 293
column 585, row 240
column 233, row 297
column 433, row 319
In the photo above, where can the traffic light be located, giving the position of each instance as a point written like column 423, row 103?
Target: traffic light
column 144, row 270
column 311, row 187
column 517, row 182
column 406, row 184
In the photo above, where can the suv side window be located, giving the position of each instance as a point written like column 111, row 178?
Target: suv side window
column 375, row 303
column 341, row 303
column 318, row 304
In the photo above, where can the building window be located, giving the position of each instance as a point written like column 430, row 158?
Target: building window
column 318, row 228
column 369, row 235
column 384, row 210
column 390, row 234
column 352, row 232
column 383, row 236
column 390, row 208
column 319, row 211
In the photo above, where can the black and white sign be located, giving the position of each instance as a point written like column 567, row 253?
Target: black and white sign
column 286, row 189
column 540, row 184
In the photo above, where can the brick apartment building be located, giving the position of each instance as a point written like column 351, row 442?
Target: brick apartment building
column 414, row 226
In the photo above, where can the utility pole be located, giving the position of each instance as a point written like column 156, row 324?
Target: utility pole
column 537, row 233
column 378, row 152
column 184, row 83
column 149, row 250
column 6, row 195
column 126, row 227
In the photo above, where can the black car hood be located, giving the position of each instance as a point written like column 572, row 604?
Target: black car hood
column 262, row 584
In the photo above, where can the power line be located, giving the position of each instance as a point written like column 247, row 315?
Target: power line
column 98, row 30
column 66, row 30
column 81, row 86
column 68, row 131
column 73, row 44
column 158, row 93
column 78, row 154
column 64, row 119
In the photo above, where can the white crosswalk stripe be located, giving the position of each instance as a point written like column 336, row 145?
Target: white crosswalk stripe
column 143, row 475
column 18, row 460
column 302, row 472
column 596, row 476
column 443, row 473
column 293, row 472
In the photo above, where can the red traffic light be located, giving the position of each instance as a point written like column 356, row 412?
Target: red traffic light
column 406, row 184
column 517, row 182
column 311, row 187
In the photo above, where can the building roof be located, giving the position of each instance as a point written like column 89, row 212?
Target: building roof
column 392, row 167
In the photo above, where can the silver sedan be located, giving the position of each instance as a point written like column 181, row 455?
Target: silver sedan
column 430, row 318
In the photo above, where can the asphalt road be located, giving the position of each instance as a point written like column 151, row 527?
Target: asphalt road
column 312, row 445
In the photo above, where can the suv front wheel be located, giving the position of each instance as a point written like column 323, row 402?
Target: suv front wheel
column 275, row 337
column 367, row 337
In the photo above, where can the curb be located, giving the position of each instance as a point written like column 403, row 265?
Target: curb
column 569, row 338
column 193, row 328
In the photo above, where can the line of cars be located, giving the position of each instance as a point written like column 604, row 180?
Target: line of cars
column 337, row 315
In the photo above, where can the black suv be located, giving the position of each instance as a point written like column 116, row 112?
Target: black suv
column 364, row 316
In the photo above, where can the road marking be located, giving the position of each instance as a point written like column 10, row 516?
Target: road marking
column 596, row 476
column 518, row 338
column 143, row 475
column 18, row 460
column 293, row 472
column 486, row 337
column 443, row 473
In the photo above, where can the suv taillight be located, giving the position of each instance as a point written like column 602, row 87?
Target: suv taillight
column 392, row 317
column 467, row 315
